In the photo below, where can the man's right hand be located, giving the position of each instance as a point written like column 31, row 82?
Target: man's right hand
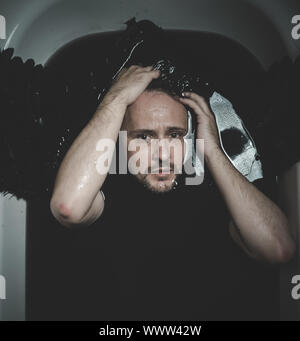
column 131, row 82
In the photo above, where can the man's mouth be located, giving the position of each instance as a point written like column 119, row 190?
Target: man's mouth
column 161, row 172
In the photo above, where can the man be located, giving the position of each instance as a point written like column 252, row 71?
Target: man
column 157, row 232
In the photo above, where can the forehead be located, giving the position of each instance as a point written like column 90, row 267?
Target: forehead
column 154, row 110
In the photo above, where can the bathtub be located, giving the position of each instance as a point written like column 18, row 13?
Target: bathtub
column 37, row 29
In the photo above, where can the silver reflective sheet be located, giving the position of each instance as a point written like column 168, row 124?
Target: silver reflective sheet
column 227, row 118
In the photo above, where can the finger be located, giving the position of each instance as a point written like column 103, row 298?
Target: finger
column 198, row 99
column 191, row 103
column 148, row 68
column 156, row 73
column 142, row 69
column 153, row 73
column 151, row 69
column 133, row 67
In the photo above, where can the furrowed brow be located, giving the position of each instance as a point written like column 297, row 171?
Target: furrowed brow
column 142, row 131
column 176, row 129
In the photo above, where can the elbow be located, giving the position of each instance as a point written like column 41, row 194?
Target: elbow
column 286, row 246
column 283, row 247
column 280, row 253
column 285, row 252
column 279, row 256
column 63, row 214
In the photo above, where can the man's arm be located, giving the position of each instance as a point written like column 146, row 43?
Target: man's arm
column 258, row 225
column 267, row 186
column 76, row 199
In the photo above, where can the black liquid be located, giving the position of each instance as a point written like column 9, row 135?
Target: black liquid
column 215, row 58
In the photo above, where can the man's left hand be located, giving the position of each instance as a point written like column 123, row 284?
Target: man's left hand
column 206, row 123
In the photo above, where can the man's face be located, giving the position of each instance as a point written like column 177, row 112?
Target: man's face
column 158, row 122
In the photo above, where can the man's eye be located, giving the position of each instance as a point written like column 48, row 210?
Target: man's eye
column 143, row 136
column 175, row 135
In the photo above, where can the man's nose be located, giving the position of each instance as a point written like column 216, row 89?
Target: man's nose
column 164, row 152
column 161, row 150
